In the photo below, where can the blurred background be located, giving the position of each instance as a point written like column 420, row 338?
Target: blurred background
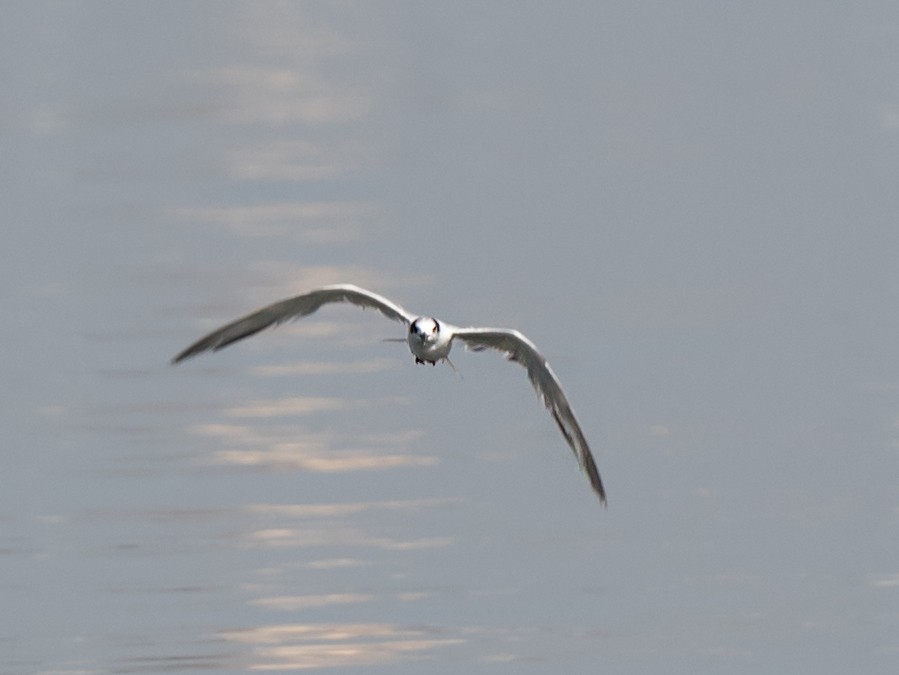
column 690, row 207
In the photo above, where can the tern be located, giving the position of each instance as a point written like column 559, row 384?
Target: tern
column 429, row 341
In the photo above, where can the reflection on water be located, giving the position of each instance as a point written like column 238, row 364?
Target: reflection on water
column 324, row 368
column 140, row 552
column 319, row 527
column 281, row 95
column 323, row 223
column 300, row 405
column 303, row 645
column 171, row 166
column 300, row 646
column 290, row 448
column 262, row 587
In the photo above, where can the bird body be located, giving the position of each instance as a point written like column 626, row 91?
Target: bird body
column 430, row 341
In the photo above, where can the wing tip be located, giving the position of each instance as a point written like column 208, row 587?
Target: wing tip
column 180, row 356
column 596, row 484
column 183, row 356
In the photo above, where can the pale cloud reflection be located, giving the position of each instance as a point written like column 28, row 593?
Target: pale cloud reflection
column 318, row 452
column 325, row 368
column 327, row 525
column 305, row 32
column 336, row 535
column 305, row 405
column 298, row 458
column 310, row 100
column 282, row 95
column 888, row 116
column 294, row 279
column 290, row 406
column 335, row 563
column 298, row 160
column 311, row 44
column 885, row 581
column 314, row 222
column 292, row 603
column 301, row 646
column 345, row 508
column 47, row 121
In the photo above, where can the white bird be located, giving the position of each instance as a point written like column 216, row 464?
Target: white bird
column 430, row 341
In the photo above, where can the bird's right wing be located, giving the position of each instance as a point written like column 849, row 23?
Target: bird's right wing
column 293, row 308
column 520, row 349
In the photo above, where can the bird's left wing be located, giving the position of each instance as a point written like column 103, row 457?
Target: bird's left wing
column 293, row 308
column 518, row 348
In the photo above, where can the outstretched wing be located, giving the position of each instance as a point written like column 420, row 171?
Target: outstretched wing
column 521, row 350
column 293, row 308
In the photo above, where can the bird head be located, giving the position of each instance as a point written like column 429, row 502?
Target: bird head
column 425, row 329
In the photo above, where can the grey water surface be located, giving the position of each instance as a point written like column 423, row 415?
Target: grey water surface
column 690, row 207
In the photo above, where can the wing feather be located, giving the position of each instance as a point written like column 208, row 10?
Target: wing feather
column 293, row 308
column 520, row 349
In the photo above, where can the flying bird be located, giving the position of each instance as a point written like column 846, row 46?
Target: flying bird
column 429, row 341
